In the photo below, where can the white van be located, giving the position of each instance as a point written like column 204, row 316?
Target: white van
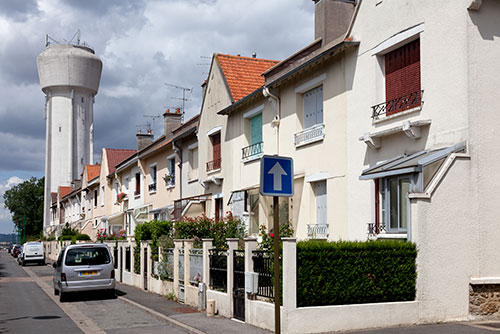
column 33, row 252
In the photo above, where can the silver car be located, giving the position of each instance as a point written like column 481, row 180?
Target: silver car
column 84, row 267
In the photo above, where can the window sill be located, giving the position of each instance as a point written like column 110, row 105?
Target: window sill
column 171, row 186
column 252, row 158
column 381, row 119
column 152, row 192
column 384, row 236
column 310, row 135
column 214, row 171
column 192, row 180
column 137, row 196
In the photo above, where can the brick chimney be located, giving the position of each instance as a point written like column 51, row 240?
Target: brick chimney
column 171, row 120
column 144, row 139
column 332, row 18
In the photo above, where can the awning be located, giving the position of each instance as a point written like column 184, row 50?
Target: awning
column 413, row 163
column 116, row 218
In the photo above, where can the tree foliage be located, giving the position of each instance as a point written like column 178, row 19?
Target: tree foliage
column 25, row 202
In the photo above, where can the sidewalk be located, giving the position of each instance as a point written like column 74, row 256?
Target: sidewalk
column 184, row 314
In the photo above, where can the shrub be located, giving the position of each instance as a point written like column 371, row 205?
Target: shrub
column 67, row 230
column 335, row 273
column 152, row 230
column 82, row 237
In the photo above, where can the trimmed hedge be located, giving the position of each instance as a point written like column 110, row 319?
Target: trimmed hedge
column 84, row 237
column 337, row 273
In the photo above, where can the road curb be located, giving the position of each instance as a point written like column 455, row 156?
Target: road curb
column 163, row 316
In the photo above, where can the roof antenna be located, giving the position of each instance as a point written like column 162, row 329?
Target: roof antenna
column 183, row 98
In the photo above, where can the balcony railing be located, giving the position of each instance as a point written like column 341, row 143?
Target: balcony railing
column 400, row 104
column 251, row 151
column 317, row 231
column 152, row 187
column 374, row 229
column 214, row 164
column 310, row 135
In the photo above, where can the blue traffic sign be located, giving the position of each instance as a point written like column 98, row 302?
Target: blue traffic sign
column 276, row 176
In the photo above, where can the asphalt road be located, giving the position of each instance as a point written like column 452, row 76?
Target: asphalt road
column 27, row 305
column 24, row 307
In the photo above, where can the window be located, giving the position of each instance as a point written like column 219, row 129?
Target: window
column 87, row 256
column 219, row 209
column 170, row 177
column 254, row 150
column 137, row 184
column 102, row 195
column 95, row 198
column 313, row 107
column 115, row 191
column 153, row 178
column 126, row 184
column 320, row 194
column 253, row 211
column 402, row 78
column 393, row 205
column 193, row 163
column 215, row 163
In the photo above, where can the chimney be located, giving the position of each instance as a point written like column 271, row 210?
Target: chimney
column 143, row 140
column 332, row 18
column 171, row 120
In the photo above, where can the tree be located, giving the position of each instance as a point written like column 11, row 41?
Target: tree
column 25, row 203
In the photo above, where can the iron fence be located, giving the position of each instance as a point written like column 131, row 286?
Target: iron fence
column 127, row 258
column 251, row 151
column 214, row 164
column 263, row 266
column 195, row 266
column 166, row 268
column 218, row 269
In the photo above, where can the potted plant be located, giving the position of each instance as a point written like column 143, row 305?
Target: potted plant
column 121, row 197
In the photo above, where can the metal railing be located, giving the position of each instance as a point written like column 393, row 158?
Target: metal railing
column 152, row 187
column 310, row 135
column 399, row 104
column 218, row 269
column 374, row 229
column 263, row 266
column 195, row 266
column 214, row 164
column 317, row 231
column 251, row 151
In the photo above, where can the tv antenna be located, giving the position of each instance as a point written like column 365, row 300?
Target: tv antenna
column 183, row 98
column 154, row 118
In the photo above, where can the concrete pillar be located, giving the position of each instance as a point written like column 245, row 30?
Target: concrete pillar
column 232, row 244
column 177, row 245
column 289, row 280
column 150, row 263
column 250, row 246
column 141, row 250
column 207, row 245
column 188, row 245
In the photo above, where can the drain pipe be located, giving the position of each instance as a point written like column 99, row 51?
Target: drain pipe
column 277, row 114
column 178, row 151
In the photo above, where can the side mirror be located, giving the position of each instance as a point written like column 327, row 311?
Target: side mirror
column 54, row 265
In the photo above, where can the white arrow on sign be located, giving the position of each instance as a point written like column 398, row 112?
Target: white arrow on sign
column 277, row 171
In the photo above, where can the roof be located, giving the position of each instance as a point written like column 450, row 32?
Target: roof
column 115, row 156
column 93, row 171
column 64, row 190
column 243, row 74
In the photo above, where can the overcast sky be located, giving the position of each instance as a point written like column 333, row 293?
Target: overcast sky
column 143, row 44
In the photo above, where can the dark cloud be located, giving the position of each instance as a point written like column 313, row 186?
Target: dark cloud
column 100, row 7
column 18, row 10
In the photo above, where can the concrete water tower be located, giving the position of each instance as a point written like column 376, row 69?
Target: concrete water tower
column 69, row 76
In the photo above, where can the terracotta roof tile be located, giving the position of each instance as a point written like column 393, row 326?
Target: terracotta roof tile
column 243, row 74
column 115, row 156
column 93, row 171
column 64, row 191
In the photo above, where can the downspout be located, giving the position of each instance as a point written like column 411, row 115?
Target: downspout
column 277, row 115
column 178, row 151
column 71, row 175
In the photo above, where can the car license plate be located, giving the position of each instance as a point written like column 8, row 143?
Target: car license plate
column 88, row 273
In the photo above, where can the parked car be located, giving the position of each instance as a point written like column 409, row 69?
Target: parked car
column 84, row 267
column 32, row 252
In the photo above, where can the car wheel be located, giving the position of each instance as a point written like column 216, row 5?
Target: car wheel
column 56, row 292
column 22, row 263
column 62, row 297
column 112, row 294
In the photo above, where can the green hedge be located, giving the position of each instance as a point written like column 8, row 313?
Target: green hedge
column 337, row 273
column 84, row 237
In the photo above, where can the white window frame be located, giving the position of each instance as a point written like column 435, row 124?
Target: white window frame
column 96, row 191
column 171, row 172
column 102, row 195
column 193, row 172
column 153, row 177
column 385, row 203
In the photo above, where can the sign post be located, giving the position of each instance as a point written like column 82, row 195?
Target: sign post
column 276, row 179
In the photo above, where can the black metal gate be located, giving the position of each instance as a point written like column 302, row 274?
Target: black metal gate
column 239, row 285
column 145, row 268
column 121, row 264
column 115, row 256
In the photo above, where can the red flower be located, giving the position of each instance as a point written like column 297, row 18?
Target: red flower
column 272, row 235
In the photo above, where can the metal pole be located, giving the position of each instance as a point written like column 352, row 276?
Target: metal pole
column 277, row 328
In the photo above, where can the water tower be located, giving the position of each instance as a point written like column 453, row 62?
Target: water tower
column 69, row 76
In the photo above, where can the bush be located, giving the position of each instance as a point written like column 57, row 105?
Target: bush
column 67, row 230
column 85, row 237
column 152, row 230
column 65, row 237
column 336, row 273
